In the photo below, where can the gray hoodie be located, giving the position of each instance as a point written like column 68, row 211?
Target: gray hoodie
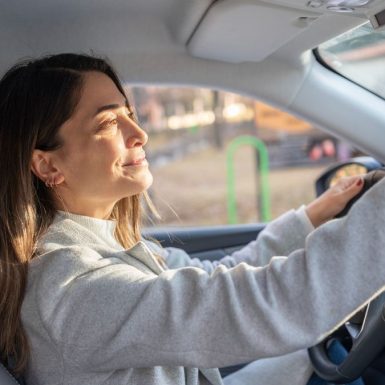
column 97, row 314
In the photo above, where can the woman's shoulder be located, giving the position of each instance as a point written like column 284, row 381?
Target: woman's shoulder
column 63, row 263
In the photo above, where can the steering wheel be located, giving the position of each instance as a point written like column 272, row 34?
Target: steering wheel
column 367, row 339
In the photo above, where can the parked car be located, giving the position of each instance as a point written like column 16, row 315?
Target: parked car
column 264, row 50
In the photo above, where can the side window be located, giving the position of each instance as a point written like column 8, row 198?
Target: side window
column 220, row 158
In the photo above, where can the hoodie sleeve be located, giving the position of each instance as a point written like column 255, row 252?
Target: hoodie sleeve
column 280, row 237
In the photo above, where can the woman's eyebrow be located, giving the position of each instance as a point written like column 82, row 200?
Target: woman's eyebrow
column 110, row 107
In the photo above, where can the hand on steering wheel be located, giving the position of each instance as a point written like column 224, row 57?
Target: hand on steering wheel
column 334, row 200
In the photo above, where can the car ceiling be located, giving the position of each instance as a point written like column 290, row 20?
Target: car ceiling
column 225, row 30
column 260, row 49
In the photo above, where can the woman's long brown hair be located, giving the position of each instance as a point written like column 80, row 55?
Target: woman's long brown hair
column 36, row 98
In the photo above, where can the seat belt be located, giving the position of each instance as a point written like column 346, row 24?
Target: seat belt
column 6, row 378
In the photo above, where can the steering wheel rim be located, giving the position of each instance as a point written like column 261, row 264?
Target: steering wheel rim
column 366, row 346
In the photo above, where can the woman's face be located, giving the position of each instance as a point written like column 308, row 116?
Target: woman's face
column 102, row 158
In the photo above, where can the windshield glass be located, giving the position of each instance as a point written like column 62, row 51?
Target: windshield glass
column 359, row 55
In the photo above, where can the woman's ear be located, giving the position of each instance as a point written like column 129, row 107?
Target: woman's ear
column 42, row 166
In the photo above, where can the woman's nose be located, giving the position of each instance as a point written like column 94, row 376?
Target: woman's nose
column 135, row 135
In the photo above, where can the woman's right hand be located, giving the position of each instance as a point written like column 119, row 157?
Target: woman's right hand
column 334, row 200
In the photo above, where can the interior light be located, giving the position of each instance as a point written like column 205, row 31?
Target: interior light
column 343, row 5
column 346, row 3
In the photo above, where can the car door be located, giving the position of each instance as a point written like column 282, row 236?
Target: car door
column 208, row 243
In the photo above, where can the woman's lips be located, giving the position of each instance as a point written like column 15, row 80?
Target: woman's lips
column 137, row 162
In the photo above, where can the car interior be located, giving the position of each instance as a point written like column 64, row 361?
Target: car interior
column 266, row 50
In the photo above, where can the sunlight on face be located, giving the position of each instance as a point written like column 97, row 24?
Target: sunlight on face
column 102, row 158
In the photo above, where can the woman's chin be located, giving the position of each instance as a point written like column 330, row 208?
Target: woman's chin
column 141, row 185
column 148, row 181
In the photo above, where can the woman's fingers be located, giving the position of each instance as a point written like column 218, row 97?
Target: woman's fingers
column 334, row 200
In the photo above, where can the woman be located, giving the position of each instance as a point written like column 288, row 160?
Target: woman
column 99, row 306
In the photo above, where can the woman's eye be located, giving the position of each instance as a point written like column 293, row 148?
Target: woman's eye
column 113, row 122
column 110, row 124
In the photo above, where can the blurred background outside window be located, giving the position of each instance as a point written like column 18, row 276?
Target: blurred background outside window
column 190, row 132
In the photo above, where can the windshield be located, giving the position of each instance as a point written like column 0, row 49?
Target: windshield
column 359, row 55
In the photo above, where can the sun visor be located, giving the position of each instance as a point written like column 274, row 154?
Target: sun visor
column 238, row 31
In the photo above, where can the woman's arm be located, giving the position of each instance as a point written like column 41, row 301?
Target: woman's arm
column 281, row 236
